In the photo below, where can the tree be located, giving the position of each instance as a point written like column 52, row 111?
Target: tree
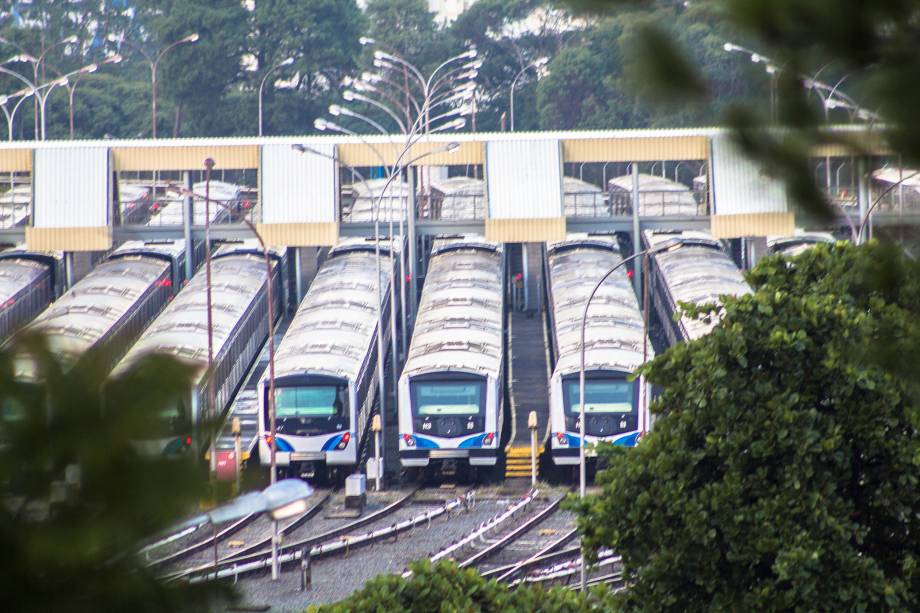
column 194, row 76
column 446, row 587
column 322, row 37
column 77, row 500
column 782, row 472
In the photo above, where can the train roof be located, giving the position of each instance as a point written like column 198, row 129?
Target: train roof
column 333, row 329
column 357, row 244
column 658, row 195
column 459, row 186
column 908, row 177
column 87, row 311
column 392, row 204
column 459, row 323
column 799, row 242
column 614, row 331
column 696, row 270
column 181, row 330
column 17, row 273
column 172, row 249
column 460, row 197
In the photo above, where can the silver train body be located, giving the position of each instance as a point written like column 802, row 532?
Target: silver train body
column 326, row 365
column 112, row 304
column 801, row 241
column 369, row 197
column 615, row 346
column 657, row 196
column 239, row 298
column 451, row 388
column 695, row 269
column 28, row 282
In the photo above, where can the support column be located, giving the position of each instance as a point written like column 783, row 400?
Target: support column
column 413, row 283
column 68, row 269
column 526, row 271
column 187, row 218
column 298, row 277
column 863, row 196
column 637, row 237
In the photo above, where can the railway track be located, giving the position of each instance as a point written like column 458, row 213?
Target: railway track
column 337, row 541
column 508, row 534
column 247, row 535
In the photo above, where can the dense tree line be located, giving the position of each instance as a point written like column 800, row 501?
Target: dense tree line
column 210, row 87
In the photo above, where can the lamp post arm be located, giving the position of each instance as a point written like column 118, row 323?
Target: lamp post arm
column 865, row 217
column 368, row 100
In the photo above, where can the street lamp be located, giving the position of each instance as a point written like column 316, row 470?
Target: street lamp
column 72, row 88
column 537, row 65
column 280, row 501
column 671, row 244
column 62, row 80
column 154, row 62
column 11, row 115
column 36, row 62
column 285, row 62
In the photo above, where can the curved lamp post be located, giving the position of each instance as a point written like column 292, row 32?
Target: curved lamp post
column 581, row 374
column 153, row 61
column 285, row 62
column 536, row 64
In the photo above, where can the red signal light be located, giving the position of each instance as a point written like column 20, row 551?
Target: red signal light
column 629, row 274
column 188, row 441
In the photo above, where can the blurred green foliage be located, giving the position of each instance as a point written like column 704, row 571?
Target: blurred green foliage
column 447, row 588
column 76, row 499
column 783, row 471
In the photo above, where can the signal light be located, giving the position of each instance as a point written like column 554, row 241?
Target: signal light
column 246, row 204
column 188, row 441
column 629, row 274
column 408, row 278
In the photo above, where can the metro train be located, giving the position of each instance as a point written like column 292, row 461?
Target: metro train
column 29, row 282
column 615, row 346
column 451, row 390
column 801, row 241
column 392, row 205
column 456, row 198
column 16, row 206
column 657, row 196
column 112, row 304
column 696, row 269
column 326, row 365
column 240, row 327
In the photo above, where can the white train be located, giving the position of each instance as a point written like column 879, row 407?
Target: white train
column 615, row 346
column 326, row 365
column 583, row 199
column 801, row 241
column 239, row 298
column 451, row 389
column 112, row 304
column 367, row 199
column 28, row 283
column 697, row 270
column 657, row 196
column 16, row 206
column 456, row 198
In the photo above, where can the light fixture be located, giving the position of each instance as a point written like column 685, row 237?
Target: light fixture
column 320, row 124
column 335, row 110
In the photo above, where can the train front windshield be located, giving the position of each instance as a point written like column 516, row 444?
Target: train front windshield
column 601, row 396
column 611, row 405
column 448, row 406
column 306, row 410
column 448, row 398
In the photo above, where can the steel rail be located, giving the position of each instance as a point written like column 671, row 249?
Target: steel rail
column 508, row 538
column 234, row 568
column 539, row 556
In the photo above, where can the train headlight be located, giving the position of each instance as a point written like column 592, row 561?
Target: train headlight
column 488, row 439
column 344, row 442
column 562, row 439
column 409, row 439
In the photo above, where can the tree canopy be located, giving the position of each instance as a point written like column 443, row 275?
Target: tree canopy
column 447, row 588
column 783, row 469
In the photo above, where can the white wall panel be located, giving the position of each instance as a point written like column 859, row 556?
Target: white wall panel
column 524, row 179
column 298, row 187
column 740, row 185
column 71, row 187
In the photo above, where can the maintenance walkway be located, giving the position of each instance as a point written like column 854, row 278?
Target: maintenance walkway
column 527, row 371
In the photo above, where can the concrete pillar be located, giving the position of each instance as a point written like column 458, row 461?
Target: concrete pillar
column 636, row 235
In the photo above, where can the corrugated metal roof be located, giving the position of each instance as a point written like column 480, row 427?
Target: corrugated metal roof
column 524, row 179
